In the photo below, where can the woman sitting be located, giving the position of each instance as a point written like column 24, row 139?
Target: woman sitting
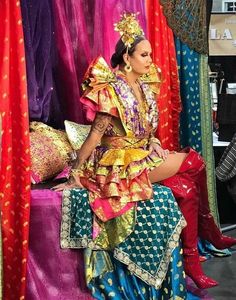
column 121, row 157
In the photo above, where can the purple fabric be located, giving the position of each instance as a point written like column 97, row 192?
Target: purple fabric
column 44, row 105
column 52, row 273
column 84, row 30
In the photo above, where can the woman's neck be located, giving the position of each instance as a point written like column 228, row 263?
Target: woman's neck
column 131, row 76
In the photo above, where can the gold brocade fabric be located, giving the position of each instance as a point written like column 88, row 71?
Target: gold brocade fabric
column 187, row 19
column 97, row 263
column 76, row 133
column 114, row 232
column 50, row 151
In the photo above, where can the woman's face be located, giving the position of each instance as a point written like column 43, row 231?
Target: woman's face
column 141, row 59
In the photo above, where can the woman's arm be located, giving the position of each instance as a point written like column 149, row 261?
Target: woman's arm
column 98, row 128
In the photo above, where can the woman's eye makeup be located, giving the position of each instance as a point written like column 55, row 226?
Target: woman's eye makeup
column 146, row 54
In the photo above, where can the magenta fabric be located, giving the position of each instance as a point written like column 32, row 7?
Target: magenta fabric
column 106, row 13
column 52, row 273
column 84, row 30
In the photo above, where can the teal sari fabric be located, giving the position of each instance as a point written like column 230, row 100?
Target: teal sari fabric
column 196, row 122
column 190, row 118
column 146, row 265
column 121, row 284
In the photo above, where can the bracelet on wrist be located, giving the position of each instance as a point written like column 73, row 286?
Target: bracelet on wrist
column 155, row 140
column 73, row 156
column 75, row 172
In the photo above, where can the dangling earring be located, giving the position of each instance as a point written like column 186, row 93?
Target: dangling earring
column 128, row 68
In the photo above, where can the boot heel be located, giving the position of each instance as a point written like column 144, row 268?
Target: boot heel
column 210, row 232
column 193, row 269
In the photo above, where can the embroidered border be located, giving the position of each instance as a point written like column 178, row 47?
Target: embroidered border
column 157, row 279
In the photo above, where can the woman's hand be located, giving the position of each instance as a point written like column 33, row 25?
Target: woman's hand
column 70, row 184
column 162, row 153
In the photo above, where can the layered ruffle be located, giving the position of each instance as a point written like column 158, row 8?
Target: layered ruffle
column 99, row 95
column 118, row 177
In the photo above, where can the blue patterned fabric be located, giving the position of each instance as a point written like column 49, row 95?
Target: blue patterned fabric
column 146, row 265
column 190, row 119
column 120, row 284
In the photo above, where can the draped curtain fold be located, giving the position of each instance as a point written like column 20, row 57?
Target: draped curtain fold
column 15, row 163
column 169, row 102
column 44, row 104
column 84, row 29
column 188, row 62
column 187, row 18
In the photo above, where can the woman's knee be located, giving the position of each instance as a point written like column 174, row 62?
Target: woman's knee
column 168, row 168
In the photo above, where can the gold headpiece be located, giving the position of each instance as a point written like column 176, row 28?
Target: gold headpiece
column 129, row 28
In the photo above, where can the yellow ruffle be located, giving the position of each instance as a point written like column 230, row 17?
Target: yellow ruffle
column 122, row 157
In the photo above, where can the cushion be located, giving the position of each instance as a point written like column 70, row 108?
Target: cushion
column 76, row 133
column 50, row 151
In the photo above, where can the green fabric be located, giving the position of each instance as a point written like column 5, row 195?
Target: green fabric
column 146, row 251
column 206, row 128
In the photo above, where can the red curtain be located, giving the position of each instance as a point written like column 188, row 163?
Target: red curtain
column 15, row 158
column 169, row 103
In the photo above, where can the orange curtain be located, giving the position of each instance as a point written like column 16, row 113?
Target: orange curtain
column 169, row 103
column 15, row 159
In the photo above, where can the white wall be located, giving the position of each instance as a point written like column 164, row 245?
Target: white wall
column 217, row 5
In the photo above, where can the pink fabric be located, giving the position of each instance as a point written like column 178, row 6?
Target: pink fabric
column 84, row 29
column 52, row 273
column 65, row 173
column 106, row 13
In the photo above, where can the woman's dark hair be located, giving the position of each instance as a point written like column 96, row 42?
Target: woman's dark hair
column 117, row 57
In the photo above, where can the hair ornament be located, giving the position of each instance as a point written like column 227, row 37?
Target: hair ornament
column 129, row 28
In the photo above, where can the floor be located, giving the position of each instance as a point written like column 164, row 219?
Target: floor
column 223, row 270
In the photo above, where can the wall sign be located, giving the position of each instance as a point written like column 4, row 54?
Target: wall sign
column 222, row 34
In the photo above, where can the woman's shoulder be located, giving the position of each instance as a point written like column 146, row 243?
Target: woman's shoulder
column 98, row 74
column 98, row 92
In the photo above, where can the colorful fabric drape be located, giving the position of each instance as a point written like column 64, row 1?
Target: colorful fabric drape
column 15, row 163
column 150, row 253
column 1, row 262
column 190, row 121
column 169, row 103
column 83, row 31
column 206, row 133
column 188, row 21
column 44, row 105
column 120, row 283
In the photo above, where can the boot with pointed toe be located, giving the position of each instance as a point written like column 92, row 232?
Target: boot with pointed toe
column 194, row 168
column 193, row 269
column 186, row 194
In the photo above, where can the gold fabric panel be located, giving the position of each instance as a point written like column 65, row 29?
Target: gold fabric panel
column 50, row 151
column 76, row 133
